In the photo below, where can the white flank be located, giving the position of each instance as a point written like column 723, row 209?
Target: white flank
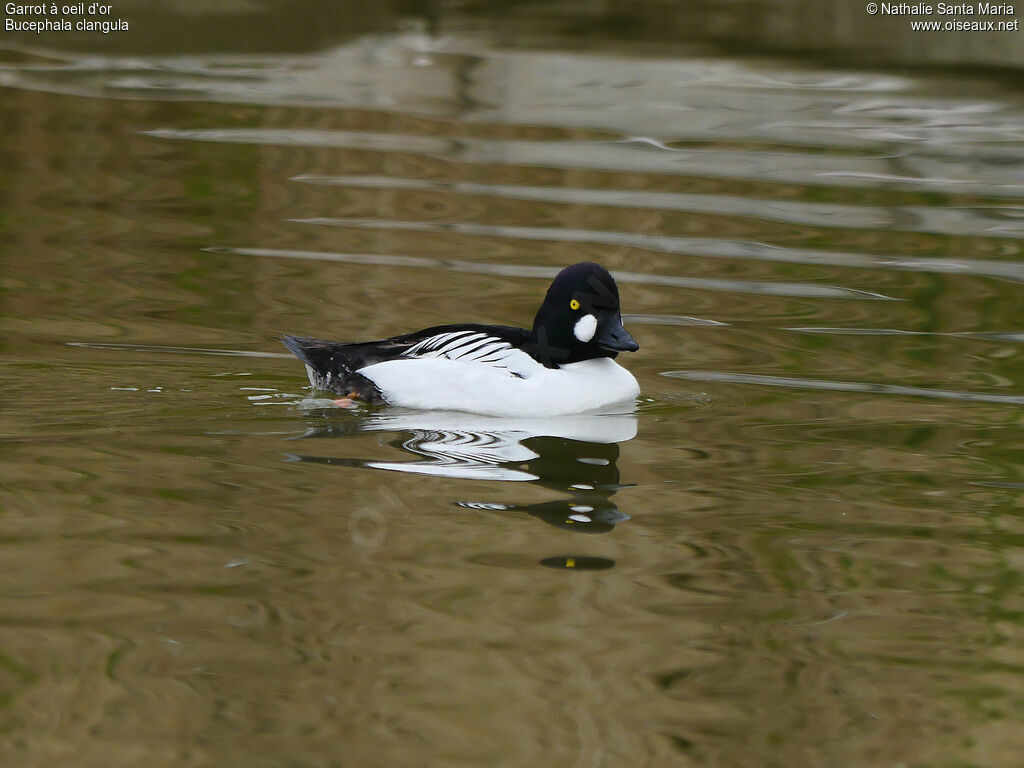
column 513, row 385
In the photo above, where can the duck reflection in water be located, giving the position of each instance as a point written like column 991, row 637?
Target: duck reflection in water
column 573, row 455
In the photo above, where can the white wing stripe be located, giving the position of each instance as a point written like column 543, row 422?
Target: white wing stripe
column 451, row 339
column 432, row 342
column 475, row 345
column 463, row 343
column 490, row 348
column 469, row 346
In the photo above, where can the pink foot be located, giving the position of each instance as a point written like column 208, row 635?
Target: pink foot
column 345, row 402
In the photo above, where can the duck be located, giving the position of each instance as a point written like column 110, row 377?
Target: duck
column 563, row 365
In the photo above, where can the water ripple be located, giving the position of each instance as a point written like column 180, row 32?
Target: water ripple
column 843, row 386
column 982, row 221
column 696, row 246
column 163, row 348
column 777, row 166
column 801, row 290
column 1014, row 336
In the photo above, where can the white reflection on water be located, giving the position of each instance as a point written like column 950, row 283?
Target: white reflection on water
column 468, row 446
column 573, row 455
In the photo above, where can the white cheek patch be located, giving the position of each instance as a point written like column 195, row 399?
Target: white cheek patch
column 585, row 328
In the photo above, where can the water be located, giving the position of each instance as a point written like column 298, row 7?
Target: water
column 804, row 548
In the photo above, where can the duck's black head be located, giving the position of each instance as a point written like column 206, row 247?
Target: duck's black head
column 579, row 319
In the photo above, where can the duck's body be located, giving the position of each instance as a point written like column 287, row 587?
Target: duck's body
column 563, row 365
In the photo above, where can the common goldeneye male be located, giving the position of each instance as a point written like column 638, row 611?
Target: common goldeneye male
column 565, row 364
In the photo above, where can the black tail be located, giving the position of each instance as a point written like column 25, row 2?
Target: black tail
column 305, row 348
column 331, row 367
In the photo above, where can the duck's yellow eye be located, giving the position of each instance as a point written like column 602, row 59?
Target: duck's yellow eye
column 574, row 304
